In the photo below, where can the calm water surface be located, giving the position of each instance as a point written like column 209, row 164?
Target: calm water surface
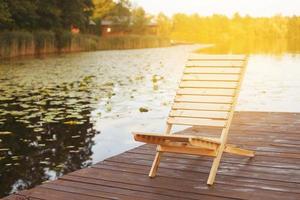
column 63, row 113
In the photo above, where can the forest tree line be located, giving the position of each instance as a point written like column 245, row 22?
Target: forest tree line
column 58, row 16
column 62, row 14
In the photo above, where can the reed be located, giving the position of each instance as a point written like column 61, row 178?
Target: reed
column 132, row 42
column 23, row 43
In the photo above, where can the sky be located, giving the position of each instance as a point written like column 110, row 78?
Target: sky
column 226, row 7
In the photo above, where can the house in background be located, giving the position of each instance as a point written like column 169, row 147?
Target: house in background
column 112, row 28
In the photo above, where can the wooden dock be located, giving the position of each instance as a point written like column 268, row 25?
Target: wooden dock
column 274, row 173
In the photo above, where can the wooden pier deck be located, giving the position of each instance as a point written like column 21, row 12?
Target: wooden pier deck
column 274, row 173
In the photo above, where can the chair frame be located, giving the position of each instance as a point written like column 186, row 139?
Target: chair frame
column 214, row 147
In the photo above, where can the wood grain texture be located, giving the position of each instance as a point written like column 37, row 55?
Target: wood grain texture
column 273, row 174
column 213, row 63
column 208, row 84
column 211, row 70
column 196, row 56
column 206, row 91
column 201, row 106
column 196, row 121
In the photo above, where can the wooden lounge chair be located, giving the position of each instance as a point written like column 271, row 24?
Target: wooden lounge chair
column 207, row 96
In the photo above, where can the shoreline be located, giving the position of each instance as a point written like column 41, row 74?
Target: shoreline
column 18, row 44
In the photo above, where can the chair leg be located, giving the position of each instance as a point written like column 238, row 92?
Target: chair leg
column 155, row 164
column 214, row 168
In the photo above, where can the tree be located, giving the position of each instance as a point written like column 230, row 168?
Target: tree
column 49, row 14
column 76, row 13
column 5, row 16
column 139, row 20
column 164, row 25
column 23, row 14
column 103, row 8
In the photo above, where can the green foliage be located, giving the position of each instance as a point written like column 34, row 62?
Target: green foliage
column 42, row 38
column 15, row 41
column 139, row 20
column 132, row 42
column 23, row 14
column 18, row 38
column 5, row 16
column 48, row 15
column 75, row 12
column 63, row 39
column 103, row 8
column 164, row 25
column 218, row 28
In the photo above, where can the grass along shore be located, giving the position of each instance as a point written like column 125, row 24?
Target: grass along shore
column 22, row 43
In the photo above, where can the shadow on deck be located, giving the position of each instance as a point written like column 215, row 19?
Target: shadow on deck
column 274, row 173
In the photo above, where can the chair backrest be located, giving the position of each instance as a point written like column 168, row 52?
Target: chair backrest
column 208, row 90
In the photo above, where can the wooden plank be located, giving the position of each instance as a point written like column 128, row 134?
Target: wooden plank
column 50, row 194
column 199, row 114
column 238, row 151
column 208, row 84
column 172, row 184
column 211, row 70
column 173, row 138
column 196, row 56
column 273, row 173
column 158, row 193
column 210, row 77
column 188, row 150
column 204, row 99
column 176, row 163
column 206, row 91
column 213, row 63
column 177, row 142
column 201, row 106
column 196, row 121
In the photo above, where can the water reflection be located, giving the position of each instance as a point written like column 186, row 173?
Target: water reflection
column 45, row 132
column 53, row 109
column 279, row 46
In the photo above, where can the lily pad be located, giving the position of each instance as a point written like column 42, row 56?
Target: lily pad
column 5, row 133
column 38, row 129
column 143, row 109
column 73, row 122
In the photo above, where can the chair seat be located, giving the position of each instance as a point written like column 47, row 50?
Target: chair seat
column 178, row 140
column 206, row 97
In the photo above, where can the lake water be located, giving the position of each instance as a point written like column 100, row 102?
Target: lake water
column 62, row 113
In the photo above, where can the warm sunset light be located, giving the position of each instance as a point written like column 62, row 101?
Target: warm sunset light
column 150, row 99
column 224, row 7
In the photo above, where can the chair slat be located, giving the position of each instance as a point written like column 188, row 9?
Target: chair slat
column 199, row 114
column 201, row 106
column 206, row 91
column 203, row 99
column 208, row 84
column 210, row 77
column 213, row 63
column 196, row 56
column 196, row 121
column 174, row 138
column 210, row 70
